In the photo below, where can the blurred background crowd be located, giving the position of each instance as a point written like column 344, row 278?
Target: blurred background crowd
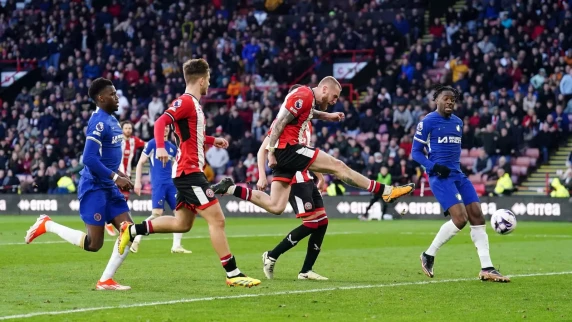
column 510, row 59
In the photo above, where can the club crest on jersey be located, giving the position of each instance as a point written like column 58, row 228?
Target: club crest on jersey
column 458, row 128
column 298, row 104
column 176, row 104
column 210, row 193
column 99, row 126
column 97, row 217
column 307, row 206
column 420, row 126
column 160, row 202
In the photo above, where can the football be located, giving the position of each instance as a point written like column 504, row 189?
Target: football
column 503, row 221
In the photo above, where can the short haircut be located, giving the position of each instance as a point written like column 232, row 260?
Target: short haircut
column 97, row 86
column 194, row 69
column 294, row 87
column 330, row 80
column 123, row 123
column 440, row 89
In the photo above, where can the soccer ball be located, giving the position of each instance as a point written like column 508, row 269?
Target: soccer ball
column 503, row 221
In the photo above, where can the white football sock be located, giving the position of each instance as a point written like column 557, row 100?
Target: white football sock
column 114, row 262
column 72, row 236
column 481, row 241
column 230, row 190
column 177, row 237
column 137, row 239
column 447, row 231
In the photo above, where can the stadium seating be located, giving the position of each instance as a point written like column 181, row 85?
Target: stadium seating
column 150, row 69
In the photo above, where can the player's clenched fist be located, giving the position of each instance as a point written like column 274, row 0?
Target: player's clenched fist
column 220, row 143
column 441, row 170
column 162, row 155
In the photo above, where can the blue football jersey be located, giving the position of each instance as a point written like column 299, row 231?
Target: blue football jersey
column 104, row 129
column 442, row 136
column 160, row 174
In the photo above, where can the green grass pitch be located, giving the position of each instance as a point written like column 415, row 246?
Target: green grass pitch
column 373, row 268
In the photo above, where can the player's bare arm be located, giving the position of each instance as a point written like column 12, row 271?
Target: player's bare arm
column 261, row 160
column 138, row 170
column 281, row 122
column 330, row 117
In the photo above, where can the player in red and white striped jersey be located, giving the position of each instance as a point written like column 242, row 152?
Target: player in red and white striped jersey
column 129, row 147
column 307, row 203
column 286, row 155
column 194, row 194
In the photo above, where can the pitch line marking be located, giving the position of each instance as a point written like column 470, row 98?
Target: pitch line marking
column 230, row 297
column 190, row 236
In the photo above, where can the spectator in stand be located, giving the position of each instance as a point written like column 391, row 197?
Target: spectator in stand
column 218, row 159
column 504, row 185
column 483, row 164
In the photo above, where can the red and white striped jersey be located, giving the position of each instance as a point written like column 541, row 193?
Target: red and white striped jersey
column 128, row 148
column 189, row 122
column 300, row 103
column 305, row 139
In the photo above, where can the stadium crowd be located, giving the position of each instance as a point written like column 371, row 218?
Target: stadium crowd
column 510, row 60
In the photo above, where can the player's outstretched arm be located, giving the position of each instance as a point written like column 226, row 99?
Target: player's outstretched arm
column 330, row 117
column 261, row 160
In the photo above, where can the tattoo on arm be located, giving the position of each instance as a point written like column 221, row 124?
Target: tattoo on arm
column 281, row 123
column 347, row 179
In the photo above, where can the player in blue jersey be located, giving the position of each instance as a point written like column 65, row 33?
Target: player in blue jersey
column 100, row 200
column 440, row 134
column 163, row 188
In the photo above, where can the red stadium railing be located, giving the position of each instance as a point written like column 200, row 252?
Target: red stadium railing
column 355, row 55
column 231, row 100
column 17, row 64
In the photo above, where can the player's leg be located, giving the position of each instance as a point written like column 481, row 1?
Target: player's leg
column 275, row 203
column 479, row 232
column 300, row 198
column 320, row 224
column 325, row 163
column 314, row 248
column 91, row 209
column 117, row 213
column 110, row 229
column 446, row 193
column 171, row 199
column 214, row 216
column 155, row 213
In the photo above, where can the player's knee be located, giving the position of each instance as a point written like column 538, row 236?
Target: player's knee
column 219, row 222
column 93, row 245
column 340, row 168
column 277, row 209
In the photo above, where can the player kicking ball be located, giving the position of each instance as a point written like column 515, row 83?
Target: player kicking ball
column 100, row 199
column 194, row 194
column 441, row 132
column 162, row 188
column 287, row 156
column 307, row 202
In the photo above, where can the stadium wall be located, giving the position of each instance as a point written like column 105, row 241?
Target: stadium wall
column 525, row 208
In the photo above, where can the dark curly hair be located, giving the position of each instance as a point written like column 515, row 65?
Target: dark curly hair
column 441, row 88
column 97, row 86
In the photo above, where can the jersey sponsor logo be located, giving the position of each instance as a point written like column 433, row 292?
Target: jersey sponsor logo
column 308, row 205
column 210, row 193
column 117, row 139
column 97, row 217
column 420, row 126
column 449, row 139
column 99, row 127
column 299, row 104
